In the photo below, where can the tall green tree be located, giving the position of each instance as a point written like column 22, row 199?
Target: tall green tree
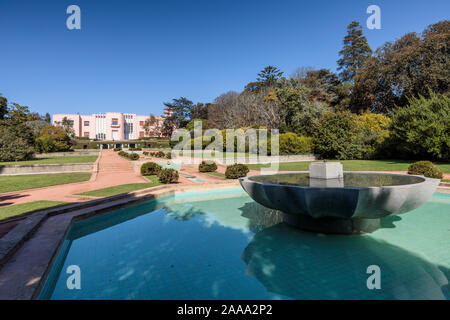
column 47, row 118
column 409, row 67
column 355, row 52
column 180, row 113
column 268, row 77
column 3, row 107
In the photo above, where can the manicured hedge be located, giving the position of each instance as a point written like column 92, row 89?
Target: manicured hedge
column 207, row 166
column 236, row 171
column 425, row 168
column 150, row 168
column 168, row 176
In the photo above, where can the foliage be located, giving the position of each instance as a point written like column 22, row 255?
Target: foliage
column 190, row 125
column 150, row 168
column 337, row 135
column 13, row 147
column 53, row 139
column 168, row 176
column 421, row 129
column 207, row 166
column 236, row 171
column 323, row 86
column 117, row 149
column 179, row 114
column 374, row 132
column 153, row 126
column 3, row 107
column 290, row 143
column 411, row 66
column 355, row 52
column 426, row 168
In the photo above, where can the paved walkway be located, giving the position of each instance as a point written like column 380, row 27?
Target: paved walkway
column 113, row 170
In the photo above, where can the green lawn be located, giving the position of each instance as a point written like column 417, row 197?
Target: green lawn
column 216, row 174
column 124, row 188
column 16, row 183
column 22, row 208
column 54, row 160
column 355, row 165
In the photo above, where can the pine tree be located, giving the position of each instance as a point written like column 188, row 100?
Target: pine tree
column 47, row 118
column 355, row 52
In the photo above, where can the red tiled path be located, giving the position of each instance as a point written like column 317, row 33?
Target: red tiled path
column 113, row 170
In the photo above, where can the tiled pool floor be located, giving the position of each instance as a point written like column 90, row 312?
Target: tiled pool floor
column 222, row 245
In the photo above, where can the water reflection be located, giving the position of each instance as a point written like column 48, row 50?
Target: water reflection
column 304, row 265
column 353, row 180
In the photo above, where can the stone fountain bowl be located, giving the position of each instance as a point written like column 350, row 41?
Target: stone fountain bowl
column 353, row 204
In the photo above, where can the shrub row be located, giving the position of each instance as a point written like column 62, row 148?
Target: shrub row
column 129, row 156
column 158, row 154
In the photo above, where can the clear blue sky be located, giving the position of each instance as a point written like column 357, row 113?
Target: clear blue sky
column 131, row 56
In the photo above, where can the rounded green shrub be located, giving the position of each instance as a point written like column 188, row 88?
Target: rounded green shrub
column 236, row 171
column 433, row 172
column 425, row 168
column 133, row 156
column 291, row 143
column 117, row 149
column 207, row 166
column 150, row 168
column 419, row 167
column 168, row 176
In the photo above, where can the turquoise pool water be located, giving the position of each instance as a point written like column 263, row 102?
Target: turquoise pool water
column 220, row 244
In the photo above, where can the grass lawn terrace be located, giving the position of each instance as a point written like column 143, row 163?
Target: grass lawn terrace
column 355, row 165
column 15, row 183
column 124, row 188
column 22, row 208
column 53, row 160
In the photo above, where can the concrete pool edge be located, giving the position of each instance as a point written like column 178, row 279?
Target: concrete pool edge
column 28, row 252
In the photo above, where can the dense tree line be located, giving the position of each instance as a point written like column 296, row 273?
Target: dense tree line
column 22, row 133
column 354, row 113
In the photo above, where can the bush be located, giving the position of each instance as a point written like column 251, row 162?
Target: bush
column 12, row 147
column 168, row 176
column 207, row 166
column 338, row 136
column 53, row 139
column 135, row 149
column 158, row 154
column 434, row 172
column 425, row 168
column 133, row 156
column 146, row 153
column 421, row 129
column 117, row 149
column 169, row 155
column 291, row 143
column 236, row 171
column 129, row 156
column 150, row 168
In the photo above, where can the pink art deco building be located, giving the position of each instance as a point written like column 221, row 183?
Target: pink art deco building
column 107, row 126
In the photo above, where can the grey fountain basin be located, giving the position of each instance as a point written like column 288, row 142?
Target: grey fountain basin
column 353, row 203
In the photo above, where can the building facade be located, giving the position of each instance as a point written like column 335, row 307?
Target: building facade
column 110, row 126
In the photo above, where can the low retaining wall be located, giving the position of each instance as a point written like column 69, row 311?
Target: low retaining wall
column 26, row 169
column 67, row 154
column 249, row 160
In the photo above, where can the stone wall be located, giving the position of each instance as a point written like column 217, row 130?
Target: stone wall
column 27, row 169
column 68, row 154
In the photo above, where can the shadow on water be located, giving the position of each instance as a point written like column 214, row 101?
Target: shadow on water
column 304, row 265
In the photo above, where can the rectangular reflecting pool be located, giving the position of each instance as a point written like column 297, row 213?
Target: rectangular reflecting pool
column 220, row 244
